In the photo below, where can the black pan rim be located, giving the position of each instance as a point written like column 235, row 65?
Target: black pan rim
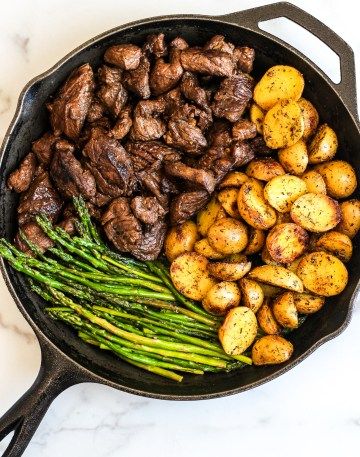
column 5, row 268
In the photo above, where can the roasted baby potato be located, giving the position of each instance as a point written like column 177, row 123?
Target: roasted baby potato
column 283, row 125
column 228, row 199
column 221, row 297
column 339, row 177
column 270, row 291
column 180, row 239
column 282, row 191
column 285, row 311
column 264, row 169
column 307, row 303
column 256, row 241
column 266, row 319
column 322, row 273
column 234, row 179
column 310, row 116
column 286, row 242
column 280, row 82
column 294, row 159
column 253, row 207
column 190, row 276
column 238, row 330
column 314, row 182
column 252, row 294
column 294, row 264
column 350, row 218
column 267, row 259
column 230, row 269
column 207, row 216
column 316, row 212
column 257, row 117
column 271, row 350
column 203, row 247
column 336, row 243
column 228, row 236
column 277, row 276
column 324, row 145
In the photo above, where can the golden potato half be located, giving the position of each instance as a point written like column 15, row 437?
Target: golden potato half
column 180, row 239
column 230, row 270
column 271, row 350
column 238, row 330
column 264, row 169
column 350, row 218
column 277, row 276
column 285, row 311
column 252, row 294
column 221, row 297
column 286, row 242
column 322, row 274
column 282, row 191
column 324, row 145
column 311, row 117
column 294, row 159
column 228, row 236
column 339, row 176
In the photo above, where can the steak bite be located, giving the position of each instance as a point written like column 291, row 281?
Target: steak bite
column 233, row 96
column 124, row 56
column 69, row 109
column 20, row 179
column 244, row 58
column 43, row 147
column 179, row 43
column 110, row 164
column 123, row 124
column 152, row 241
column 199, row 177
column 146, row 123
column 218, row 43
column 191, row 90
column 137, row 81
column 165, row 75
column 35, row 235
column 112, row 93
column 185, row 136
column 155, row 44
column 244, row 129
column 41, row 197
column 209, row 62
column 147, row 209
column 146, row 153
column 121, row 226
column 186, row 205
column 96, row 111
column 68, row 174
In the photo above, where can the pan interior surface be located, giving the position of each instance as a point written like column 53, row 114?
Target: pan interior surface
column 33, row 122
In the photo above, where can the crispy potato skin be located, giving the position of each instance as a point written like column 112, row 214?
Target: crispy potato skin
column 283, row 125
column 266, row 319
column 230, row 270
column 350, row 218
column 180, row 239
column 286, row 242
column 189, row 275
column 314, row 182
column 256, row 241
column 228, row 236
column 310, row 116
column 323, row 146
column 307, row 303
column 285, row 311
column 257, row 117
column 264, row 169
column 267, row 259
column 252, row 295
column 340, row 178
column 338, row 244
column 208, row 215
column 316, row 212
column 203, row 247
column 234, row 179
column 280, row 82
column 271, row 350
column 277, row 276
column 238, row 330
column 228, row 199
column 221, row 298
column 294, row 159
column 322, row 273
column 253, row 207
column 282, row 191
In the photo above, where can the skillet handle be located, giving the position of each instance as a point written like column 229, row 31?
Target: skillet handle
column 26, row 414
column 347, row 87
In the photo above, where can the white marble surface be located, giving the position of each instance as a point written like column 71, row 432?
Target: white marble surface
column 313, row 410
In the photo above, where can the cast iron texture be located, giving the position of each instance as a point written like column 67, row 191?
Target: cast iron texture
column 66, row 360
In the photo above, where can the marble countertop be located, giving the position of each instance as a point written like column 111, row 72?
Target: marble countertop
column 312, row 410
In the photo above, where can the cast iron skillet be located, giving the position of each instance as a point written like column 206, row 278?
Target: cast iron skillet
column 65, row 359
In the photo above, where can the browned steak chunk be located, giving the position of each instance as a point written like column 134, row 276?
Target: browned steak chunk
column 208, row 62
column 147, row 209
column 186, row 205
column 20, row 179
column 124, row 56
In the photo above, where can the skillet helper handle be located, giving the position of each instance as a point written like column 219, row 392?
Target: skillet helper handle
column 26, row 414
column 346, row 89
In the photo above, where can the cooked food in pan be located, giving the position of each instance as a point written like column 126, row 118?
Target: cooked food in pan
column 181, row 214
